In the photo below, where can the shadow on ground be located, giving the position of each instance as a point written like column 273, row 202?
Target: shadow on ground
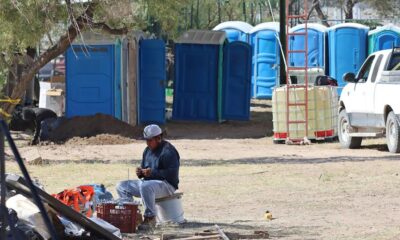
column 245, row 161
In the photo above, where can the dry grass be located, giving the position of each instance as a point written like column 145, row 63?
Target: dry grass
column 347, row 200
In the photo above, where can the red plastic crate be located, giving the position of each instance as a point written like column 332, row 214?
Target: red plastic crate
column 122, row 216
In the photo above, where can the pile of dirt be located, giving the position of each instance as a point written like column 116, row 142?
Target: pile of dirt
column 90, row 126
column 101, row 139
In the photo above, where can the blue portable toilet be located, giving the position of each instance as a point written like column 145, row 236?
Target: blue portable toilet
column 90, row 77
column 265, row 64
column 383, row 38
column 347, row 44
column 152, row 81
column 236, row 81
column 317, row 46
column 235, row 30
column 198, row 75
column 93, row 76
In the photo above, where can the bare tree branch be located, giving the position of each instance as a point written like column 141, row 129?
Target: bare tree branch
column 50, row 39
column 317, row 7
column 9, row 67
column 348, row 8
column 104, row 27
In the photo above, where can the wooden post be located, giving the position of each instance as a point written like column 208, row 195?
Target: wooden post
column 282, row 37
column 133, row 51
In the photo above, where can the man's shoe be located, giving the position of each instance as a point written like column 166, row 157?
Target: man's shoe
column 148, row 224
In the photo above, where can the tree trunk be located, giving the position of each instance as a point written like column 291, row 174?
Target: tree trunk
column 191, row 15
column 252, row 14
column 292, row 11
column 244, row 10
column 321, row 14
column 197, row 15
column 186, row 18
column 209, row 16
column 317, row 6
column 348, row 8
column 219, row 11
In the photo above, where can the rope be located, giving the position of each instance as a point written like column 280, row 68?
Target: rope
column 11, row 101
column 5, row 114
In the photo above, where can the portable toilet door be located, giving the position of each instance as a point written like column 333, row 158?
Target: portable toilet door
column 235, row 30
column 382, row 38
column 236, row 81
column 265, row 63
column 316, row 54
column 316, row 45
column 90, row 80
column 152, row 81
column 347, row 50
column 198, row 74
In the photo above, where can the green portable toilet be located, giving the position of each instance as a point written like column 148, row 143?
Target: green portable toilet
column 383, row 38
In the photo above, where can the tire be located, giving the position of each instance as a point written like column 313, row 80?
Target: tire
column 343, row 132
column 278, row 141
column 392, row 133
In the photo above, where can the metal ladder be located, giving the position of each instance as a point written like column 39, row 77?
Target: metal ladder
column 292, row 87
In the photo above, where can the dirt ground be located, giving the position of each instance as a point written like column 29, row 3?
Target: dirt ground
column 232, row 173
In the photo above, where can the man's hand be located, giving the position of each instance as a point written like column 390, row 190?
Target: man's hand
column 146, row 172
column 139, row 172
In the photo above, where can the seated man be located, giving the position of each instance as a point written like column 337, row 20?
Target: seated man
column 158, row 174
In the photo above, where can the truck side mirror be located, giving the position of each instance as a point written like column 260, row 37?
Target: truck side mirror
column 349, row 77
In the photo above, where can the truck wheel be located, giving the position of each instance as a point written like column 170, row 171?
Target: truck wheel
column 343, row 131
column 392, row 133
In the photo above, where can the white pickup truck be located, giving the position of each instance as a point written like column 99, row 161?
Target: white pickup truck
column 370, row 102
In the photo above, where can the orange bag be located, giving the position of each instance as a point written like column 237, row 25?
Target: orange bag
column 79, row 198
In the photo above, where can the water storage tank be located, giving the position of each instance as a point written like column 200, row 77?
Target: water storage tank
column 347, row 44
column 322, row 113
column 317, row 45
column 264, row 40
column 383, row 38
column 235, row 30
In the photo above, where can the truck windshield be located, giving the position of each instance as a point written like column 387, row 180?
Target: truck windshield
column 394, row 64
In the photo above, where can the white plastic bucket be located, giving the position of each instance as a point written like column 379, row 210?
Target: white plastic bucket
column 169, row 209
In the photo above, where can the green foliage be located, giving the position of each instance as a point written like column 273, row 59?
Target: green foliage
column 23, row 23
column 372, row 24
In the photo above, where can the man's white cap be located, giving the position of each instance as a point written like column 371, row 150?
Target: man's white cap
column 151, row 131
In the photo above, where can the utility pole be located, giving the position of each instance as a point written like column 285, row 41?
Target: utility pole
column 282, row 37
